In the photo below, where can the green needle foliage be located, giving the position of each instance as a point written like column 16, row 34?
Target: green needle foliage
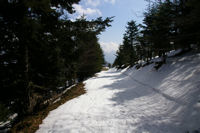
column 40, row 51
column 167, row 25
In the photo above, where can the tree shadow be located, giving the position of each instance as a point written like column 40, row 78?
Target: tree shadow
column 175, row 84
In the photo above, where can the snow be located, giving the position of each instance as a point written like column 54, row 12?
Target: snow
column 13, row 116
column 59, row 96
column 134, row 101
column 68, row 88
column 174, row 52
column 5, row 126
column 58, row 99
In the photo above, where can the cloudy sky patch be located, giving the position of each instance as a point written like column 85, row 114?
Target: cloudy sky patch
column 86, row 11
column 109, row 47
column 123, row 10
column 110, row 1
column 93, row 3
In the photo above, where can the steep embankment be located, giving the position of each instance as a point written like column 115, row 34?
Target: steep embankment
column 135, row 101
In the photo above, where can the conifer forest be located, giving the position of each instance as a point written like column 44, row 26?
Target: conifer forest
column 43, row 51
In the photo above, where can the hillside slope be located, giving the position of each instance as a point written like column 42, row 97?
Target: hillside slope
column 135, row 101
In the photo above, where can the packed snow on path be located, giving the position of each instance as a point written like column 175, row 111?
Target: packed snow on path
column 134, row 101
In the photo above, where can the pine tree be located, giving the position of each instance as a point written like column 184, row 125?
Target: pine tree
column 157, row 32
column 194, row 21
column 188, row 22
column 90, row 56
column 167, row 25
column 127, row 54
column 39, row 51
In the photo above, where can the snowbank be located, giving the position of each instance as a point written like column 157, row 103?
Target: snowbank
column 135, row 101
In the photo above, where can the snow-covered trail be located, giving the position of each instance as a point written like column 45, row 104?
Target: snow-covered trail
column 134, row 101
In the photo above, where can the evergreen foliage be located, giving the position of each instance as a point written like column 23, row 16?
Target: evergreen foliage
column 167, row 25
column 126, row 55
column 40, row 51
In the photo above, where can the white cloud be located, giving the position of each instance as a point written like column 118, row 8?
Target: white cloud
column 93, row 2
column 110, row 1
column 88, row 11
column 109, row 47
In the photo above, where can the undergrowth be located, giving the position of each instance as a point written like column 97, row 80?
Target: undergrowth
column 30, row 124
column 4, row 112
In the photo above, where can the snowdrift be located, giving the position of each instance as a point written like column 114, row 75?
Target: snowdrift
column 135, row 101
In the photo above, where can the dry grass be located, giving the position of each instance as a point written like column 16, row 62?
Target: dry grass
column 31, row 123
column 105, row 69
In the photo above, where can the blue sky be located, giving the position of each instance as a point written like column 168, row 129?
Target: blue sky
column 123, row 10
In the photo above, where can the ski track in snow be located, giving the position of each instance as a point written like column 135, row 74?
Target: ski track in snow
column 134, row 101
